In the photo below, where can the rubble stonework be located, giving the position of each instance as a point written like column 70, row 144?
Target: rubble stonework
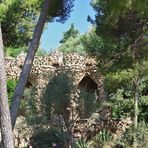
column 80, row 68
column 42, row 66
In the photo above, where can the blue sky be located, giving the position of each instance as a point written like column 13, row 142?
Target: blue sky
column 54, row 32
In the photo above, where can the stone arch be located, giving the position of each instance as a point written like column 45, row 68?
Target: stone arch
column 87, row 96
column 87, row 83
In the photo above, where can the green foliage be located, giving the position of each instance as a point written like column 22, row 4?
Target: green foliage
column 80, row 144
column 120, row 38
column 141, row 133
column 124, row 78
column 18, row 18
column 92, row 42
column 121, row 107
column 110, row 56
column 87, row 103
column 116, row 24
column 121, row 79
column 45, row 138
column 27, row 107
column 18, row 34
column 98, row 47
column 60, row 10
column 121, row 91
column 103, row 138
column 11, row 84
column 71, row 42
column 72, row 32
column 57, row 94
column 143, row 109
column 14, row 52
column 73, row 45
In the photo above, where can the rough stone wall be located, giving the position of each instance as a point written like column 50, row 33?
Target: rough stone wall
column 77, row 67
column 43, row 67
column 89, row 128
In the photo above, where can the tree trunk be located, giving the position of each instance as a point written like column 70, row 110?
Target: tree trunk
column 29, row 61
column 136, row 110
column 5, row 120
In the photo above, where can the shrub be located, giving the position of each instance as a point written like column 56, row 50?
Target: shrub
column 47, row 137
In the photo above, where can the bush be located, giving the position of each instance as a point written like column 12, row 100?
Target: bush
column 11, row 84
column 80, row 144
column 57, row 94
column 141, row 136
column 14, row 52
column 47, row 137
column 87, row 103
column 103, row 138
column 121, row 107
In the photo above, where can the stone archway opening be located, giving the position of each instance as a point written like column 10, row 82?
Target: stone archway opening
column 87, row 83
column 87, row 97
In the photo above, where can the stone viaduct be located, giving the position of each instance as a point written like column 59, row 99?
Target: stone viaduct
column 82, row 69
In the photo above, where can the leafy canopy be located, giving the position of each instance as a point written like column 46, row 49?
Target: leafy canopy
column 18, row 18
column 120, row 38
column 70, row 33
column 71, row 41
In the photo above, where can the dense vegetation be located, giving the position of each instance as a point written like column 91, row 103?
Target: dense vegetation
column 71, row 42
column 26, row 13
column 119, row 41
column 49, row 10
